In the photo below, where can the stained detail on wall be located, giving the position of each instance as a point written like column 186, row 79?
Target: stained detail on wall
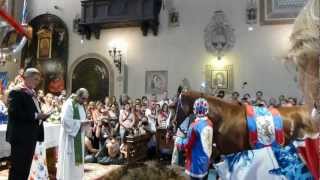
column 219, row 36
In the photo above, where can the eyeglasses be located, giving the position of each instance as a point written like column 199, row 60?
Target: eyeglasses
column 84, row 98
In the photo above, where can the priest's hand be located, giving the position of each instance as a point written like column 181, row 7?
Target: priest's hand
column 85, row 122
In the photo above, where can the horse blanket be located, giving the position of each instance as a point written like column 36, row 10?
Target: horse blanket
column 265, row 127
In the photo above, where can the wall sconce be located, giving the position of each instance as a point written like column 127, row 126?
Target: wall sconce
column 251, row 12
column 117, row 57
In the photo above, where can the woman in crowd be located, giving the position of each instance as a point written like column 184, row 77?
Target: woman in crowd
column 126, row 120
column 163, row 117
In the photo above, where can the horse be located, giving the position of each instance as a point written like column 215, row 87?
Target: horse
column 230, row 133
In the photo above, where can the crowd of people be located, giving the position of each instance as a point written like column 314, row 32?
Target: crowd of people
column 112, row 121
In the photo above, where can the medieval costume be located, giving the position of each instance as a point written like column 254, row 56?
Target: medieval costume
column 198, row 144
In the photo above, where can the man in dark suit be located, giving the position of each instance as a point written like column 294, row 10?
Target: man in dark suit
column 25, row 126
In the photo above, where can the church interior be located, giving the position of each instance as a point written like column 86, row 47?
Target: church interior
column 145, row 64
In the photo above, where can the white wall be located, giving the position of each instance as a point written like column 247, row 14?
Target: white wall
column 256, row 57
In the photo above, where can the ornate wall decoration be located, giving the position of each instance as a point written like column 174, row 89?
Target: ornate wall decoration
column 219, row 36
column 280, row 11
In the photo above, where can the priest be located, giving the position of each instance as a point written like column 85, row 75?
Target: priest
column 71, row 142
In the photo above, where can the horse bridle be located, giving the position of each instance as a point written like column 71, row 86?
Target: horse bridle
column 179, row 105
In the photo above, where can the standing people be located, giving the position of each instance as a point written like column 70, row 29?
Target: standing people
column 198, row 144
column 25, row 126
column 71, row 145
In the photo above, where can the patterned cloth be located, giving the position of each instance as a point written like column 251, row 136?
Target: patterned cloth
column 39, row 170
column 265, row 127
column 290, row 165
column 249, row 165
column 309, row 150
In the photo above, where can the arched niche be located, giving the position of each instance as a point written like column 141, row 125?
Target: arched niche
column 83, row 66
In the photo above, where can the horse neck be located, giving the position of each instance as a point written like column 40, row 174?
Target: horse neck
column 224, row 109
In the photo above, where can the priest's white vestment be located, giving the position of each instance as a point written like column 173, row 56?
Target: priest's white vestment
column 66, row 167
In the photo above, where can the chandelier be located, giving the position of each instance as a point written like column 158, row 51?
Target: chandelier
column 116, row 55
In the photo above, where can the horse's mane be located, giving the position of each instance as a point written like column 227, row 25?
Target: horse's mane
column 210, row 98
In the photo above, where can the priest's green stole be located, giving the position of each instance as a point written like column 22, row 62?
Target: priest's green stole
column 78, row 148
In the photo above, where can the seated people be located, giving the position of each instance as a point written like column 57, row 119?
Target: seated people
column 143, row 126
column 91, row 143
column 113, row 117
column 110, row 152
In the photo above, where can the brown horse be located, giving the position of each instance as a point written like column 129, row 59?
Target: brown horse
column 229, row 121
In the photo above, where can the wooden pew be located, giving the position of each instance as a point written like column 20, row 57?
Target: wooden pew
column 137, row 147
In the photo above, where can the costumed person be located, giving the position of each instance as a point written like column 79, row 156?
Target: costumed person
column 71, row 142
column 25, row 125
column 198, row 144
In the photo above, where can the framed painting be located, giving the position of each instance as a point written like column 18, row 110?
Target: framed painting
column 156, row 82
column 280, row 11
column 219, row 78
column 44, row 44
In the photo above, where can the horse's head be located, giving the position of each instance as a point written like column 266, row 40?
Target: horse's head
column 217, row 106
column 184, row 105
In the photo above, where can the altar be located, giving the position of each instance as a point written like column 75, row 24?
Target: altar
column 51, row 138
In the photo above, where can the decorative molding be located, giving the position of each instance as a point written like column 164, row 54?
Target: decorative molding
column 219, row 36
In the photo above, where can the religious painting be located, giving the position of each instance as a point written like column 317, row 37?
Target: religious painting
column 174, row 18
column 44, row 44
column 156, row 82
column 219, row 78
column 280, row 11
